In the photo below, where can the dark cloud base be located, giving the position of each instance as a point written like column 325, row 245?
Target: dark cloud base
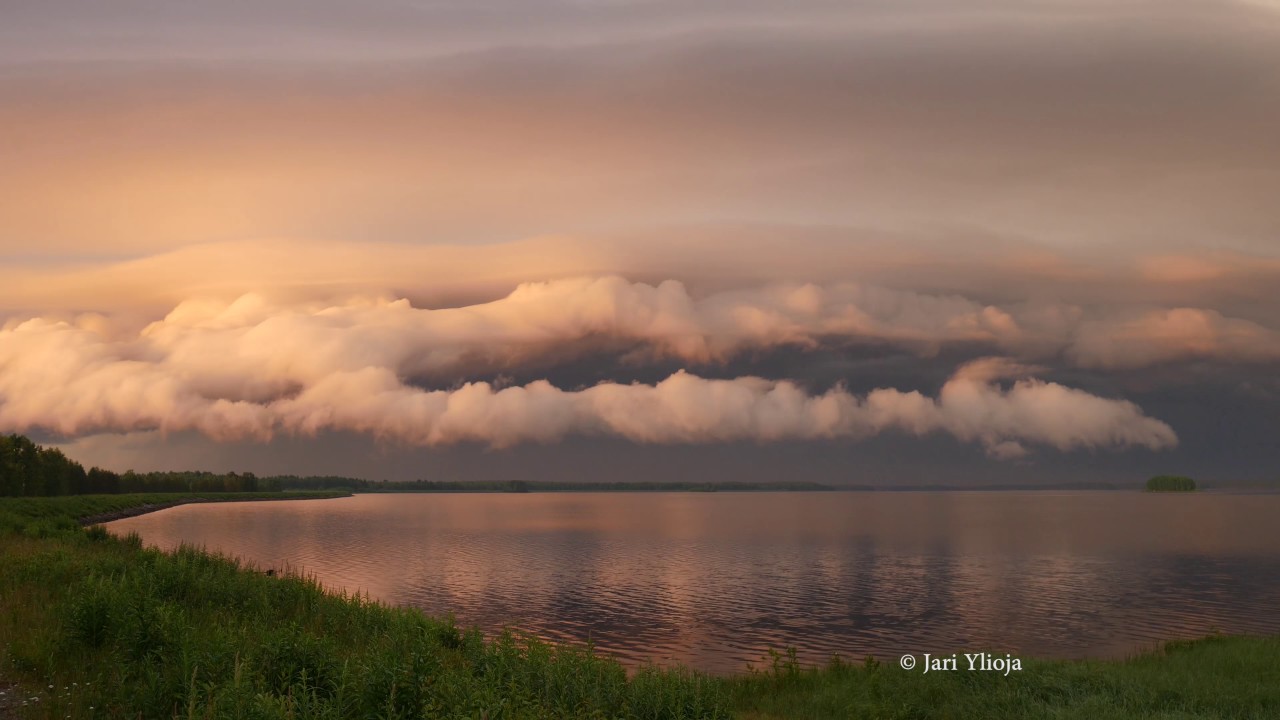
column 1226, row 426
column 886, row 462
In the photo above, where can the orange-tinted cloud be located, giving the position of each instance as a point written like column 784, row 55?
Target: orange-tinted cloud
column 63, row 378
column 1089, row 184
column 251, row 368
column 1168, row 335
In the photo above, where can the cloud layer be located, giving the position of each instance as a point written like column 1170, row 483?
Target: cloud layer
column 117, row 394
column 1084, row 123
column 253, row 344
column 252, row 369
column 396, row 220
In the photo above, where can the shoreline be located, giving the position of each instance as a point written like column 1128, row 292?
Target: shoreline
column 136, row 510
column 113, row 621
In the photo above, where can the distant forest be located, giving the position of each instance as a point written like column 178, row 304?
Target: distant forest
column 27, row 469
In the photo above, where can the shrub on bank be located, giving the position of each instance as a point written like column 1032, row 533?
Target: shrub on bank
column 1171, row 483
column 113, row 630
column 191, row 634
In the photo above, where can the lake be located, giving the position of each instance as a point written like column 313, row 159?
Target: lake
column 716, row 579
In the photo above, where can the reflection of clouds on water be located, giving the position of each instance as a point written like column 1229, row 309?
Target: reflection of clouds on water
column 716, row 580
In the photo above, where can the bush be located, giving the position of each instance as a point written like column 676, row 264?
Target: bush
column 91, row 614
column 1171, row 483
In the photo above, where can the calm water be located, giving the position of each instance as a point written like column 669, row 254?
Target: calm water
column 714, row 580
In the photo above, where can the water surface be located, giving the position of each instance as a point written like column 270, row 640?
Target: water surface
column 716, row 579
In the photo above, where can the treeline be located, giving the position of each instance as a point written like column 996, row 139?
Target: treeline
column 523, row 486
column 27, row 469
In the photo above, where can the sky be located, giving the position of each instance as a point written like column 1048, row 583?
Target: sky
column 858, row 242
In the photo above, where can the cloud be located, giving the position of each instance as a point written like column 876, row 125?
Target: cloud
column 681, row 409
column 419, row 196
column 253, row 369
column 1166, row 335
column 668, row 319
column 1075, row 124
column 89, row 371
column 685, row 408
column 971, row 408
column 1046, row 293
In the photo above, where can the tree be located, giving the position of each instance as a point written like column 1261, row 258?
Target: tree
column 101, row 481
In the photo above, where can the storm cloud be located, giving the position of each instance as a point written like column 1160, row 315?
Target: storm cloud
column 549, row 223
column 64, row 378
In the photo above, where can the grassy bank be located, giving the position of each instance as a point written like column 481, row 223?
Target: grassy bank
column 96, row 626
column 53, row 516
column 1221, row 677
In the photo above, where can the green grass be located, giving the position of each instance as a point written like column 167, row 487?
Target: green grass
column 98, row 627
column 1220, row 677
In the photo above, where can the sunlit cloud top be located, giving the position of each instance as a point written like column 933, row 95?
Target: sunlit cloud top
column 498, row 223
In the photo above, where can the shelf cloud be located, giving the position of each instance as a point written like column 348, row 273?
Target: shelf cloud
column 59, row 378
column 519, row 225
column 228, row 343
column 251, row 369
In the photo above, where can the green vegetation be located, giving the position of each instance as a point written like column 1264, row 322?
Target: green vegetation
column 98, row 627
column 1171, row 483
column 29, row 470
column 1219, row 677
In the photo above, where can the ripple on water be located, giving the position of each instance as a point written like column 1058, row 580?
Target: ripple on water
column 716, row 580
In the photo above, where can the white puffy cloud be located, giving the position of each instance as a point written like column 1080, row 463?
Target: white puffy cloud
column 250, row 369
column 254, row 367
column 685, row 408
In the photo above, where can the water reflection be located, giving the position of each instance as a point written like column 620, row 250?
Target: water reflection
column 715, row 580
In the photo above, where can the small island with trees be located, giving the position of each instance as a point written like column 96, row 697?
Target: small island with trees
column 1171, row 483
